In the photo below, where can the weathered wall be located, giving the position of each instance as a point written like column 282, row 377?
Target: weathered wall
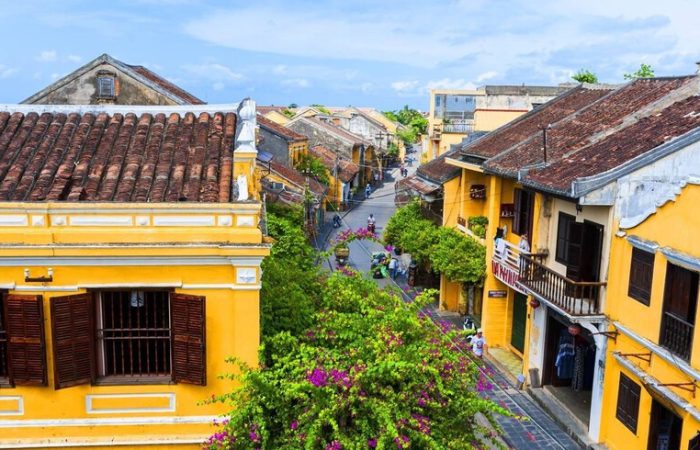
column 318, row 136
column 83, row 91
column 276, row 145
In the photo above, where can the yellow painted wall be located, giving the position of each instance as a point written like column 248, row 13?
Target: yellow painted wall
column 277, row 117
column 134, row 231
column 675, row 226
column 489, row 120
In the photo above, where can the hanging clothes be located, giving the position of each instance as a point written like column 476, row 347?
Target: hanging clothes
column 578, row 378
column 565, row 358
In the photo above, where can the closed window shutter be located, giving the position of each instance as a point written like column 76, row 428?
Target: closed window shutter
column 516, row 214
column 189, row 339
column 25, row 339
column 73, row 340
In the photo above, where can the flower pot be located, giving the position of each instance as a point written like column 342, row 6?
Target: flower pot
column 534, row 303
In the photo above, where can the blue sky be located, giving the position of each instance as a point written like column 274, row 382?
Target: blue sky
column 382, row 53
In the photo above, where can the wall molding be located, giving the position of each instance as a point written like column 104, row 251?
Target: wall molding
column 107, row 421
column 19, row 411
column 58, row 261
column 90, row 408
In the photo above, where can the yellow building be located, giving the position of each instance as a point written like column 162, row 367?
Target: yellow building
column 341, row 172
column 391, row 126
column 455, row 114
column 276, row 114
column 561, row 203
column 130, row 270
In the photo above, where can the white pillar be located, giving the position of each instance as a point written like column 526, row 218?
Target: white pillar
column 601, row 344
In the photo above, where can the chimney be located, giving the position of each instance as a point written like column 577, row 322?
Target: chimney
column 697, row 68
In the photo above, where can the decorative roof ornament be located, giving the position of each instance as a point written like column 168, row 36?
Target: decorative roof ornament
column 245, row 130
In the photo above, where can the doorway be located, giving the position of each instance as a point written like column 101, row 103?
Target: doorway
column 519, row 320
column 665, row 428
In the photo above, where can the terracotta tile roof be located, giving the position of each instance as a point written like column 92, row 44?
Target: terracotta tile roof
column 438, row 170
column 417, row 184
column 279, row 130
column 296, row 177
column 347, row 169
column 261, row 109
column 620, row 147
column 116, row 157
column 526, row 125
column 599, row 136
column 167, row 85
column 338, row 131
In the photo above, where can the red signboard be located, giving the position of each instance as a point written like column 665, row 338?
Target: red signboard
column 506, row 274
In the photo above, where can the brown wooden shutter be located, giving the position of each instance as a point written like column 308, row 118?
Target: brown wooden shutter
column 189, row 339
column 72, row 329
column 26, row 346
column 516, row 215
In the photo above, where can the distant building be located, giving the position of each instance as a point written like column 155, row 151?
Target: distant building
column 455, row 114
column 106, row 80
column 285, row 145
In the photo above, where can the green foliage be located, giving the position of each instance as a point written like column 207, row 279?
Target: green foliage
column 412, row 119
column 313, row 166
column 411, row 232
column 293, row 106
column 585, row 76
column 459, row 257
column 644, row 71
column 372, row 371
column 292, row 213
column 393, row 150
column 288, row 113
column 478, row 225
column 321, row 108
column 290, row 280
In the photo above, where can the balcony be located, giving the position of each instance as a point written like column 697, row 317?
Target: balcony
column 457, row 128
column 676, row 335
column 505, row 264
column 577, row 298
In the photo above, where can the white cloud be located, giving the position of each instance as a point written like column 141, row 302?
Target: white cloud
column 404, row 86
column 448, row 83
column 47, row 56
column 279, row 69
column 74, row 58
column 213, row 72
column 218, row 86
column 486, row 76
column 297, row 82
column 6, row 72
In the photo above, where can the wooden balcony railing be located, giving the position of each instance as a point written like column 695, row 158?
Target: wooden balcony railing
column 676, row 335
column 461, row 128
column 578, row 298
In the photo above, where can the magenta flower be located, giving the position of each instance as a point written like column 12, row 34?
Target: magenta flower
column 318, row 377
column 372, row 443
column 335, row 445
column 294, row 425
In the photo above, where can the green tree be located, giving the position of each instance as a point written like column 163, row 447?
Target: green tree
column 412, row 119
column 410, row 231
column 458, row 257
column 290, row 283
column 644, row 71
column 321, row 108
column 293, row 106
column 372, row 372
column 314, row 167
column 585, row 76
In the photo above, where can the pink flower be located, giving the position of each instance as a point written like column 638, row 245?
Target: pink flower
column 294, row 425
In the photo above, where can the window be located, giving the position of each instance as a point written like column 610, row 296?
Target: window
column 105, row 87
column 522, row 220
column 568, row 239
column 137, row 335
column 694, row 443
column 641, row 273
column 628, row 402
column 680, row 306
column 22, row 340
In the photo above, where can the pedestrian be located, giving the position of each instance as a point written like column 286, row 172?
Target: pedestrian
column 376, row 178
column 524, row 245
column 401, row 168
column 393, row 267
column 479, row 343
column 405, row 172
column 368, row 190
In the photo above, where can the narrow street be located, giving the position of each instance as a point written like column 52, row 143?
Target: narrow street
column 536, row 430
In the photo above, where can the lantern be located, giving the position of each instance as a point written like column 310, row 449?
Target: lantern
column 534, row 303
column 575, row 329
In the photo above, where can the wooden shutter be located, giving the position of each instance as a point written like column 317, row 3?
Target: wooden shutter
column 516, row 213
column 627, row 410
column 641, row 275
column 187, row 314
column 24, row 316
column 72, row 329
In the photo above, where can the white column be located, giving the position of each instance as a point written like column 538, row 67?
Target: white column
column 601, row 344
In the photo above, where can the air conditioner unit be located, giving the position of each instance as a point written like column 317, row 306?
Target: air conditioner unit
column 276, row 186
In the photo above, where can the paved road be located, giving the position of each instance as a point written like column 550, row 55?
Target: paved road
column 537, row 431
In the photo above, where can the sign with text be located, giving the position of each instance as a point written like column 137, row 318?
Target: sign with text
column 498, row 294
column 507, row 274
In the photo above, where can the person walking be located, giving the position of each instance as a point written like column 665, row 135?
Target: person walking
column 479, row 343
column 368, row 190
column 393, row 267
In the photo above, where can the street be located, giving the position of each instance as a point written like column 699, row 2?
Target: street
column 535, row 429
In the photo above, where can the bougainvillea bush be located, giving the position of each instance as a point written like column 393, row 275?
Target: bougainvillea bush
column 373, row 372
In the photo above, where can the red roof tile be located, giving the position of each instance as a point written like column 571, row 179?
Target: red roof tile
column 438, row 170
column 338, row 131
column 167, row 85
column 278, row 129
column 298, row 178
column 117, row 157
column 347, row 169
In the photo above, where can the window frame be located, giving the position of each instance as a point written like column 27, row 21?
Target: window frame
column 113, row 88
column 564, row 238
column 641, row 261
column 627, row 390
column 523, row 211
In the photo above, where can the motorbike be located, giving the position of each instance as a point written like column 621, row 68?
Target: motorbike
column 337, row 221
column 371, row 227
column 341, row 255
